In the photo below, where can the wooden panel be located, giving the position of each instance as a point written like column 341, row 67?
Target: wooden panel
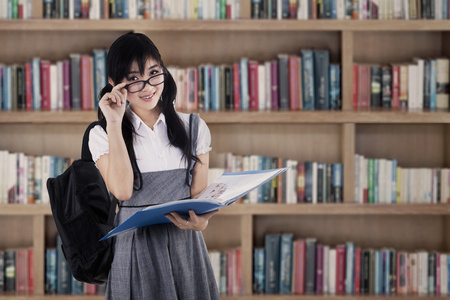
column 412, row 145
column 223, row 232
column 17, row 232
column 57, row 140
column 229, row 47
column 399, row 232
column 39, row 254
column 294, row 141
column 389, row 47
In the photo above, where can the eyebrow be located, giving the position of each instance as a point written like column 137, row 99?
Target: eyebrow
column 137, row 72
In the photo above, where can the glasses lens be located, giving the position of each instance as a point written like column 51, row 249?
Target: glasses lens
column 157, row 79
column 136, row 86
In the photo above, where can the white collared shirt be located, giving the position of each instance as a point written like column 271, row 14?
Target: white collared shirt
column 152, row 148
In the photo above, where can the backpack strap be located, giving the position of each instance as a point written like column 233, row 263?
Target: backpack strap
column 85, row 152
column 193, row 134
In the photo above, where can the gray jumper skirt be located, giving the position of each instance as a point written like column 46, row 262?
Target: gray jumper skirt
column 160, row 261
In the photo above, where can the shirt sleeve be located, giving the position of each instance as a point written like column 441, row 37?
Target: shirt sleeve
column 204, row 138
column 98, row 142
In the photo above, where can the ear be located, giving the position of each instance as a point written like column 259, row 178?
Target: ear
column 110, row 81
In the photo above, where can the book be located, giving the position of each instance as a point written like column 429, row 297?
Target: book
column 224, row 191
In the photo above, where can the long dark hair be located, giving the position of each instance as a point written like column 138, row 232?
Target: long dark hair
column 123, row 52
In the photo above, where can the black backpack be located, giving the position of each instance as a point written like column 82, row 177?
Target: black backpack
column 84, row 212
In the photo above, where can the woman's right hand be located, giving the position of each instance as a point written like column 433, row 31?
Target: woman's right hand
column 113, row 104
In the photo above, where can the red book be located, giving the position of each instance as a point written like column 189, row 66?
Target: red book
column 355, row 86
column 28, row 87
column 253, row 85
column 357, row 271
column 236, row 87
column 22, row 270
column 294, row 82
column 238, row 270
column 319, row 269
column 299, row 266
column 274, row 84
column 86, row 82
column 45, row 85
column 364, row 86
column 340, row 269
column 395, row 85
column 90, row 289
column 66, row 85
column 30, row 270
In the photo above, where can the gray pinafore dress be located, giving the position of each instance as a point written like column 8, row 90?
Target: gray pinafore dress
column 160, row 261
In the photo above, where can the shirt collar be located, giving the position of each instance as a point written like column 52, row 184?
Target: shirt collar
column 137, row 122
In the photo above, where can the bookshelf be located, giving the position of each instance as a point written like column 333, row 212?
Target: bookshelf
column 415, row 138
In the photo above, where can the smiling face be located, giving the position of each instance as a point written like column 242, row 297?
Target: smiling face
column 146, row 99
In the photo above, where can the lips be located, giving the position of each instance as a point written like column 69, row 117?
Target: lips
column 148, row 98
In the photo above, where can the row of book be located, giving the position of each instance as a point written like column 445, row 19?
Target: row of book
column 307, row 81
column 384, row 181
column 288, row 265
column 227, row 268
column 23, row 178
column 350, row 9
column 423, row 83
column 303, row 182
column 142, row 9
column 73, row 83
column 16, row 9
column 17, row 273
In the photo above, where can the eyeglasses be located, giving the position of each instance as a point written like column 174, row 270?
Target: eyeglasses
column 138, row 86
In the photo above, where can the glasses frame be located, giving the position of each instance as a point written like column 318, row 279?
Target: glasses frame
column 164, row 74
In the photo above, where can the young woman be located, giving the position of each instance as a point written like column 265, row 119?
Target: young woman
column 145, row 158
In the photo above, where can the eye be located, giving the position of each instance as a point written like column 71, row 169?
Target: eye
column 132, row 78
column 155, row 72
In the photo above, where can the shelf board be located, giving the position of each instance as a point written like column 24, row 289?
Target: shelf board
column 277, row 209
column 250, row 117
column 222, row 25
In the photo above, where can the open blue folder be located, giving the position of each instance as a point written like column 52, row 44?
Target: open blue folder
column 224, row 191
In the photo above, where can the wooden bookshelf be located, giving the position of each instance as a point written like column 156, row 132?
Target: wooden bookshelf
column 416, row 138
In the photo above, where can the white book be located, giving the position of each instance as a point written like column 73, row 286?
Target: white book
column 412, row 85
column 314, row 182
column 357, row 186
column 444, row 274
column 405, row 9
column 340, row 9
column 420, row 82
column 132, row 9
column 445, row 189
column 11, row 186
column 46, row 173
column 267, row 84
column 53, row 87
column 4, row 155
column 442, row 79
column 349, row 274
column 332, row 272
column 388, row 182
column 38, row 179
column 413, row 272
column 303, row 10
column 291, row 182
column 382, row 181
column 364, row 177
column 60, row 85
column 253, row 195
column 326, row 269
column 262, row 87
column 423, row 273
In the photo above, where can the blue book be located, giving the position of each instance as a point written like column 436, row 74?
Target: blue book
column 349, row 269
column 7, row 88
column 51, row 272
column 378, row 272
column 126, row 11
column 387, row 268
column 308, row 92
column 1, row 85
column 100, row 80
column 394, row 181
column 259, row 270
column 272, row 248
column 77, row 287
column 64, row 275
column 337, row 182
column 36, row 78
column 286, row 254
column 224, row 191
column 433, row 84
column 243, row 71
column 335, row 86
column 207, row 83
column 321, row 79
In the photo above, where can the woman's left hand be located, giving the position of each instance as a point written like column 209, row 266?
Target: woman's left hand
column 194, row 222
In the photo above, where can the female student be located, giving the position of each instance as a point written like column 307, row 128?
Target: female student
column 145, row 158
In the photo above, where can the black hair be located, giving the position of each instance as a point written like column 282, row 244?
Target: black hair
column 127, row 49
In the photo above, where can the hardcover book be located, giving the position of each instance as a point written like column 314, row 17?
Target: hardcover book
column 224, row 191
